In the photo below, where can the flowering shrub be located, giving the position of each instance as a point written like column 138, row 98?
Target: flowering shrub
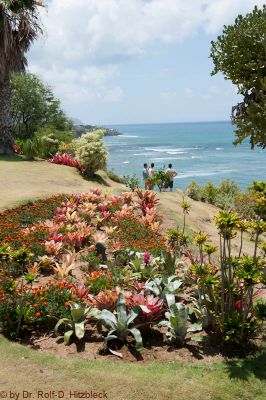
column 65, row 159
column 42, row 304
column 13, row 222
column 91, row 152
column 138, row 237
column 98, row 281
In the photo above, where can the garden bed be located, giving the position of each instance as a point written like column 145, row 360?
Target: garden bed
column 98, row 267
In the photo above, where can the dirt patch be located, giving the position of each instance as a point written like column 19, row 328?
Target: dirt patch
column 156, row 348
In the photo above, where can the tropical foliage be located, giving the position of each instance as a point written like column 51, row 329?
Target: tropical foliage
column 105, row 264
column 19, row 27
column 34, row 106
column 239, row 53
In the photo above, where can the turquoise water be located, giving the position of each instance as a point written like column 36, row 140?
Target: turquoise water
column 198, row 151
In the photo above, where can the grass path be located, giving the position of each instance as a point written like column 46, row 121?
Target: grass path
column 25, row 369
column 22, row 180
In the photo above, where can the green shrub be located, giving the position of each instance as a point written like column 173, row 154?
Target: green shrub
column 61, row 136
column 209, row 193
column 228, row 187
column 132, row 182
column 48, row 146
column 227, row 193
column 114, row 177
column 30, row 147
column 160, row 178
column 194, row 191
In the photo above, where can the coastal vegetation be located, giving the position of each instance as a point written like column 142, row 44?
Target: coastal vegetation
column 239, row 53
column 81, row 129
column 228, row 196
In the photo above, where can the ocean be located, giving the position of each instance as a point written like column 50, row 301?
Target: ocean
column 198, row 151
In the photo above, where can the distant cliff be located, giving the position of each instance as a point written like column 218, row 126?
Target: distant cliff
column 81, row 129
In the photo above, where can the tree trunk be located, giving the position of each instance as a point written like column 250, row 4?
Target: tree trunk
column 6, row 134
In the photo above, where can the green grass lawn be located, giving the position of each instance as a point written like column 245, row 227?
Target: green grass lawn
column 26, row 369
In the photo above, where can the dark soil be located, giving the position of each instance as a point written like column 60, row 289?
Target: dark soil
column 156, row 348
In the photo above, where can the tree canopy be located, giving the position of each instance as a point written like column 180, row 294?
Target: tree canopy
column 34, row 106
column 19, row 27
column 240, row 54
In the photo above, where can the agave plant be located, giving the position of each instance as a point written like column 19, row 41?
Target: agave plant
column 120, row 325
column 76, row 324
column 164, row 286
column 177, row 322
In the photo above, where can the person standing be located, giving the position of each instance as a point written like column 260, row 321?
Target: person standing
column 151, row 170
column 151, row 173
column 145, row 174
column 172, row 173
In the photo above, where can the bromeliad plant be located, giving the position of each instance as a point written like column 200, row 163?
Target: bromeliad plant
column 163, row 286
column 177, row 321
column 76, row 323
column 120, row 324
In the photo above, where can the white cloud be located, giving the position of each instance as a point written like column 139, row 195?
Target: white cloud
column 188, row 92
column 87, row 40
column 168, row 97
column 113, row 95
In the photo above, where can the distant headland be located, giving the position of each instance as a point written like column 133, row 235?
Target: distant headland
column 80, row 129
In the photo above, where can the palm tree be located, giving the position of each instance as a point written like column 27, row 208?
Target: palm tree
column 19, row 27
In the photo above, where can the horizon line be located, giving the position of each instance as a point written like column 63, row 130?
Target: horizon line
column 158, row 123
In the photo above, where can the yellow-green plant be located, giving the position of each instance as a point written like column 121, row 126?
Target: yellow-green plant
column 200, row 239
column 227, row 223
column 259, row 227
column 243, row 226
column 91, row 152
column 209, row 249
column 185, row 205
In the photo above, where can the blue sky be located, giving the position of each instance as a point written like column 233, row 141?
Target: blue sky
column 136, row 61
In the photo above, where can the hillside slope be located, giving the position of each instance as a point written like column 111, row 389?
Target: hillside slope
column 22, row 181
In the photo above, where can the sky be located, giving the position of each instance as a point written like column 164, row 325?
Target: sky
column 136, row 61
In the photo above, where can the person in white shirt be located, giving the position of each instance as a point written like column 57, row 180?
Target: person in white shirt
column 172, row 173
column 151, row 173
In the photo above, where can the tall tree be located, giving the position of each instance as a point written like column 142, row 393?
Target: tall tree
column 19, row 27
column 34, row 106
column 240, row 54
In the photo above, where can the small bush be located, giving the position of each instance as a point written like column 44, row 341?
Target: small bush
column 30, row 147
column 194, row 191
column 114, row 177
column 160, row 178
column 132, row 182
column 209, row 193
column 91, row 152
